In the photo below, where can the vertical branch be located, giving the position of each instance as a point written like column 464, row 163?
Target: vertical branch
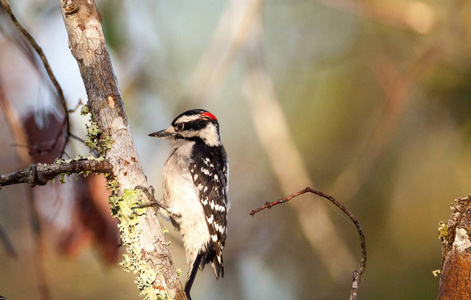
column 150, row 258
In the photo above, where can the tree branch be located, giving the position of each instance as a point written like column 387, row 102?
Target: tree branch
column 357, row 274
column 40, row 174
column 149, row 259
column 455, row 270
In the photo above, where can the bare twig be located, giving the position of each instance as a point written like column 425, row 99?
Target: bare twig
column 356, row 274
column 40, row 174
column 73, row 136
column 47, row 66
column 80, row 103
column 285, row 158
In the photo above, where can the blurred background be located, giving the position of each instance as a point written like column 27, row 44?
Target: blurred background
column 369, row 102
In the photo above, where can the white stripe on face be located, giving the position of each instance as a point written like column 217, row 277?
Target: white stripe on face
column 184, row 119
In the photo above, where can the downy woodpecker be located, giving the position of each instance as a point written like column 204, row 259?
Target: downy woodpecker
column 195, row 189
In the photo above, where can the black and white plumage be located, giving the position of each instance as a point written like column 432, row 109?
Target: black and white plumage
column 195, row 188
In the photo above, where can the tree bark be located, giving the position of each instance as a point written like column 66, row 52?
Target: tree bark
column 455, row 281
column 40, row 174
column 87, row 44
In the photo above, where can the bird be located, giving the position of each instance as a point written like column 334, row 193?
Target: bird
column 195, row 189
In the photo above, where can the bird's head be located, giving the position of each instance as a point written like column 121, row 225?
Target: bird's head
column 193, row 125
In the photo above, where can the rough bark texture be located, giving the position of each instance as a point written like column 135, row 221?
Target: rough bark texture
column 455, row 281
column 87, row 43
column 40, row 174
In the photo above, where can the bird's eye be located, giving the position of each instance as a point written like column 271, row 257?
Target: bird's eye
column 179, row 126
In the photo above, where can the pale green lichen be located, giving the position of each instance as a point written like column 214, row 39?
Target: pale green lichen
column 84, row 110
column 125, row 208
column 62, row 178
column 443, row 231
column 76, row 158
column 96, row 138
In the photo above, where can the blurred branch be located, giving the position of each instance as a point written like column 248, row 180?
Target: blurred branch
column 357, row 274
column 40, row 247
column 40, row 174
column 228, row 38
column 7, row 242
column 19, row 135
column 50, row 73
column 395, row 86
column 285, row 158
column 455, row 280
column 14, row 123
column 414, row 16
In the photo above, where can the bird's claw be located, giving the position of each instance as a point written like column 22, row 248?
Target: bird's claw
column 150, row 194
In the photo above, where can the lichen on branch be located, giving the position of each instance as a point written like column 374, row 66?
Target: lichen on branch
column 40, row 174
column 125, row 209
column 96, row 138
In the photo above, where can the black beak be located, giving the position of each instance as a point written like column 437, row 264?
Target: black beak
column 161, row 133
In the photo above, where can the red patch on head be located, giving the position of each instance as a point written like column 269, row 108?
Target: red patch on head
column 209, row 116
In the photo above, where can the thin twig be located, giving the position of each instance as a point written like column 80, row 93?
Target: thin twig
column 356, row 274
column 47, row 66
column 73, row 136
column 80, row 103
column 286, row 158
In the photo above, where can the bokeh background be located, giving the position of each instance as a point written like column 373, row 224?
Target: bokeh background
column 368, row 101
